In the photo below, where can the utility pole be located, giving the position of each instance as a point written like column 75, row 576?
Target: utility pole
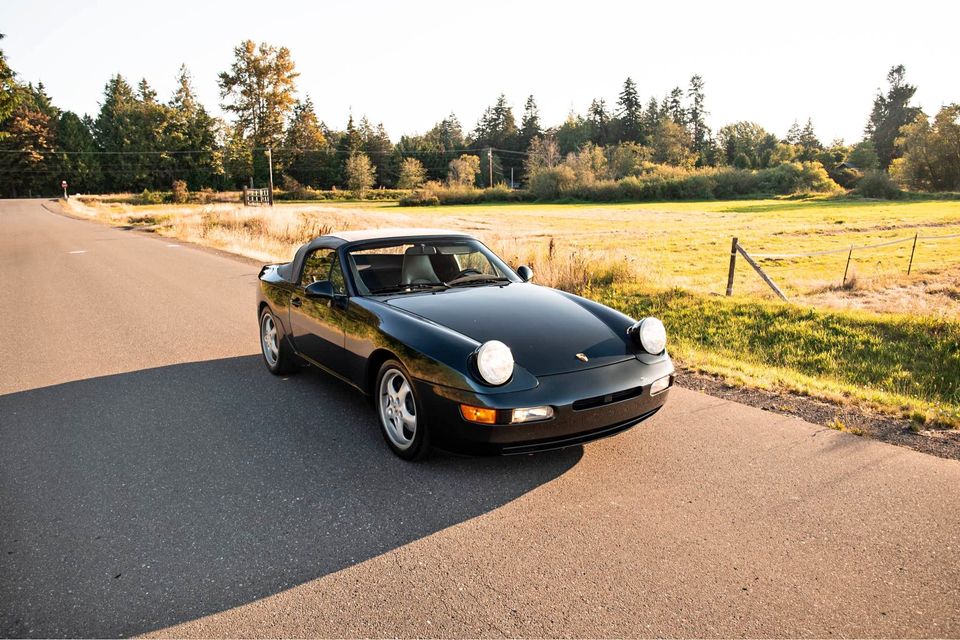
column 270, row 162
column 490, row 165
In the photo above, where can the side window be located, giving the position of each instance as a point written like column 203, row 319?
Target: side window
column 336, row 277
column 316, row 266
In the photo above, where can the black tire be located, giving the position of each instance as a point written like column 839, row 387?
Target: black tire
column 285, row 361
column 397, row 434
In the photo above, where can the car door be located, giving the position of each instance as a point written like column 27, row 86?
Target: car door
column 317, row 324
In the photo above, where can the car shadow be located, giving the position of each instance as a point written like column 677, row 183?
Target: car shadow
column 140, row 500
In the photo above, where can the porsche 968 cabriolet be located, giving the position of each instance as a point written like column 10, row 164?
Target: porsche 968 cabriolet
column 457, row 349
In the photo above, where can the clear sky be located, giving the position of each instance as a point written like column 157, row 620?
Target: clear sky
column 408, row 64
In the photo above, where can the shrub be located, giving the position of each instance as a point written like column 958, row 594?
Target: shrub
column 814, row 178
column 601, row 191
column 180, row 192
column 420, row 198
column 151, row 197
column 458, row 194
column 730, row 184
column 500, row 193
column 877, row 184
column 552, row 183
column 206, row 195
column 294, row 189
column 846, row 177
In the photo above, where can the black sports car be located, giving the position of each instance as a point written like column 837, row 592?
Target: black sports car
column 457, row 349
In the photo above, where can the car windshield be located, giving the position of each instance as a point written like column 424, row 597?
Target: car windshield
column 423, row 265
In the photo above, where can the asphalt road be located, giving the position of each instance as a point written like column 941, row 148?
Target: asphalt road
column 154, row 478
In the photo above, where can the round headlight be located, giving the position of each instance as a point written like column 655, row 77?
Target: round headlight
column 495, row 362
column 650, row 334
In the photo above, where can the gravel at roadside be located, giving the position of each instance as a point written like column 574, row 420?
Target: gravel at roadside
column 944, row 443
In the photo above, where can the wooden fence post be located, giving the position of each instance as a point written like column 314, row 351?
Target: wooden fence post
column 733, row 266
column 763, row 275
column 912, row 251
column 846, row 268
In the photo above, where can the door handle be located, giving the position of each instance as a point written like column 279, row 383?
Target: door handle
column 296, row 302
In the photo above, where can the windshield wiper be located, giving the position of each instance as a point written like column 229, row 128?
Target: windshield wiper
column 475, row 279
column 418, row 286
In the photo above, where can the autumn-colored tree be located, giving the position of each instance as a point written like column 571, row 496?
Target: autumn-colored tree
column 463, row 170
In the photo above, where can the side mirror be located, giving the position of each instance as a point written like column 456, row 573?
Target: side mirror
column 319, row 289
column 525, row 272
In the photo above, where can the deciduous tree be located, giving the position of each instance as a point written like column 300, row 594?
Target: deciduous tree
column 746, row 145
column 412, row 174
column 360, row 174
column 463, row 170
column 543, row 153
column 930, row 152
column 671, row 144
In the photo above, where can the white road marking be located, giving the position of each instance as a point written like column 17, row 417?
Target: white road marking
column 76, row 252
column 174, row 246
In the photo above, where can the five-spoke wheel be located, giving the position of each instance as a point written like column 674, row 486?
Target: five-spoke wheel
column 398, row 411
column 276, row 353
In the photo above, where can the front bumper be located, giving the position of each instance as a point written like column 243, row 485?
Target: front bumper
column 588, row 405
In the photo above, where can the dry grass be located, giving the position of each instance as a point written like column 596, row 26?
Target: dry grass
column 680, row 244
column 627, row 256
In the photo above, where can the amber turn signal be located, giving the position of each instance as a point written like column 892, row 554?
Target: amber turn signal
column 478, row 414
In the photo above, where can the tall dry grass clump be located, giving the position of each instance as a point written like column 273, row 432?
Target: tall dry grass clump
column 575, row 270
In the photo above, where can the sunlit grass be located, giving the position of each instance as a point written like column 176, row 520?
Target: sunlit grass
column 670, row 259
column 897, row 363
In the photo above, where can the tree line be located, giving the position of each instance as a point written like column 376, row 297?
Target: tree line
column 139, row 141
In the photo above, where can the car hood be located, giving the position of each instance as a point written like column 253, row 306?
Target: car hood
column 544, row 328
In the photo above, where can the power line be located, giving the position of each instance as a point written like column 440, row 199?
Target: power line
column 98, row 152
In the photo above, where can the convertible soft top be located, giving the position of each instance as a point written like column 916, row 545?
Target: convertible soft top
column 289, row 271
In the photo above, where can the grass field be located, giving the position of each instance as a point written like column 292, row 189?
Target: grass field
column 886, row 340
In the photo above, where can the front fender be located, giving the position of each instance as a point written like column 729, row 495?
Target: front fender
column 431, row 352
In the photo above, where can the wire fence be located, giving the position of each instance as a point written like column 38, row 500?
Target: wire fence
column 775, row 267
